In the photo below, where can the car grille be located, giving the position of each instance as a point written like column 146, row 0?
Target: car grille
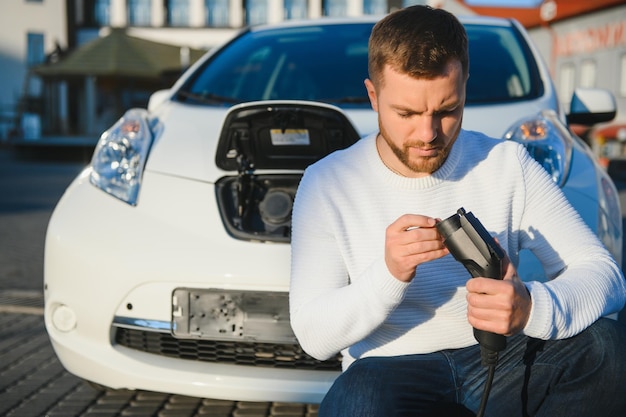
column 239, row 353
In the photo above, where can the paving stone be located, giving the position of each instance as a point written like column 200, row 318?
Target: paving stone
column 176, row 413
column 180, row 408
column 218, row 410
column 287, row 410
column 116, row 397
column 212, row 413
column 249, row 412
column 151, row 396
column 67, row 410
column 182, row 399
column 91, row 413
column 139, row 411
column 114, row 408
column 8, row 402
column 245, row 405
column 210, row 401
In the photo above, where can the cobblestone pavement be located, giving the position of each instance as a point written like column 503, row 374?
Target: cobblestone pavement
column 33, row 383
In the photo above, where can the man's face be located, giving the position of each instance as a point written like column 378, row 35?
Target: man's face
column 419, row 119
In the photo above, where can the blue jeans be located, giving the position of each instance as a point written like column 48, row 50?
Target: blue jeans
column 577, row 377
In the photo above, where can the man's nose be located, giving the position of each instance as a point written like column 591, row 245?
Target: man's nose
column 426, row 129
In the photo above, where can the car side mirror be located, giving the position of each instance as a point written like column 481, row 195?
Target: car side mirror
column 591, row 105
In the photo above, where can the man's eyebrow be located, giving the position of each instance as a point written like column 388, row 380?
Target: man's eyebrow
column 446, row 107
column 404, row 109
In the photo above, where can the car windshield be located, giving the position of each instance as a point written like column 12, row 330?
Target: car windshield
column 328, row 63
column 502, row 68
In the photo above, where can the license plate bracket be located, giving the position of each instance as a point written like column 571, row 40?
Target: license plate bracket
column 259, row 316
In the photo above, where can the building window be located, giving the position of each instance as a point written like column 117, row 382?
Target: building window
column 295, row 9
column 101, row 12
column 93, row 13
column 588, row 73
column 178, row 12
column 622, row 77
column 35, row 54
column 567, row 79
column 336, row 8
column 216, row 12
column 139, row 12
column 374, row 7
column 256, row 12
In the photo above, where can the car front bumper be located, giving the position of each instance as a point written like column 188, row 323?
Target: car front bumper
column 122, row 368
column 108, row 263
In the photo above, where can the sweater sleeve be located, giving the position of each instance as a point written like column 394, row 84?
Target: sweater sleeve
column 585, row 281
column 329, row 311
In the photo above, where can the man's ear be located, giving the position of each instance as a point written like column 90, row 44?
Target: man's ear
column 371, row 93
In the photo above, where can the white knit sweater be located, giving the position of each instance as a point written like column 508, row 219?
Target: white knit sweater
column 342, row 296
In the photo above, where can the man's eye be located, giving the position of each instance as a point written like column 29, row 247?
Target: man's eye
column 404, row 115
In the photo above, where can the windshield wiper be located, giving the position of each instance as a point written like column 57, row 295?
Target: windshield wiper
column 208, row 98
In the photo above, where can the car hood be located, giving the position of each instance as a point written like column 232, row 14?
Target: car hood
column 203, row 143
column 188, row 144
column 496, row 119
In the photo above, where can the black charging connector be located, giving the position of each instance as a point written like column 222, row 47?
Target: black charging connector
column 470, row 244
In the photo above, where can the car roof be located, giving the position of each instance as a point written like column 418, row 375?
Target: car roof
column 465, row 19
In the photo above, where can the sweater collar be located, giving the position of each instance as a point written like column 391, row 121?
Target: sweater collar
column 428, row 181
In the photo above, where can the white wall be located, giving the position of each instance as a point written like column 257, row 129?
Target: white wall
column 17, row 19
column 605, row 45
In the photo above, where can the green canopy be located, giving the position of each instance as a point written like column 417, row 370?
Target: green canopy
column 119, row 55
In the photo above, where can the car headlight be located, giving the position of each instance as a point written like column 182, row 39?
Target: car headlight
column 119, row 158
column 547, row 140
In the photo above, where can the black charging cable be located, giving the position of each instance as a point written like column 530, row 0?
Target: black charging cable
column 489, row 358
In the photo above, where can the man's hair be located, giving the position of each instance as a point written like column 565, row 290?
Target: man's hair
column 418, row 41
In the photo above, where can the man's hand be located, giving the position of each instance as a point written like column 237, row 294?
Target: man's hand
column 409, row 241
column 498, row 306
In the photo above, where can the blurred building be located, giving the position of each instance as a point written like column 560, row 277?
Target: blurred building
column 29, row 30
column 590, row 51
column 584, row 44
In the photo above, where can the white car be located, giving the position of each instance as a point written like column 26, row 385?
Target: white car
column 167, row 260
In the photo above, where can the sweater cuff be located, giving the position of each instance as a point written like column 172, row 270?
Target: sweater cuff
column 539, row 323
column 389, row 287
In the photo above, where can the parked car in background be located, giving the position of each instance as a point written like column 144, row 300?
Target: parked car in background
column 167, row 259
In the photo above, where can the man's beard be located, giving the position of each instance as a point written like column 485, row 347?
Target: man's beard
column 423, row 165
